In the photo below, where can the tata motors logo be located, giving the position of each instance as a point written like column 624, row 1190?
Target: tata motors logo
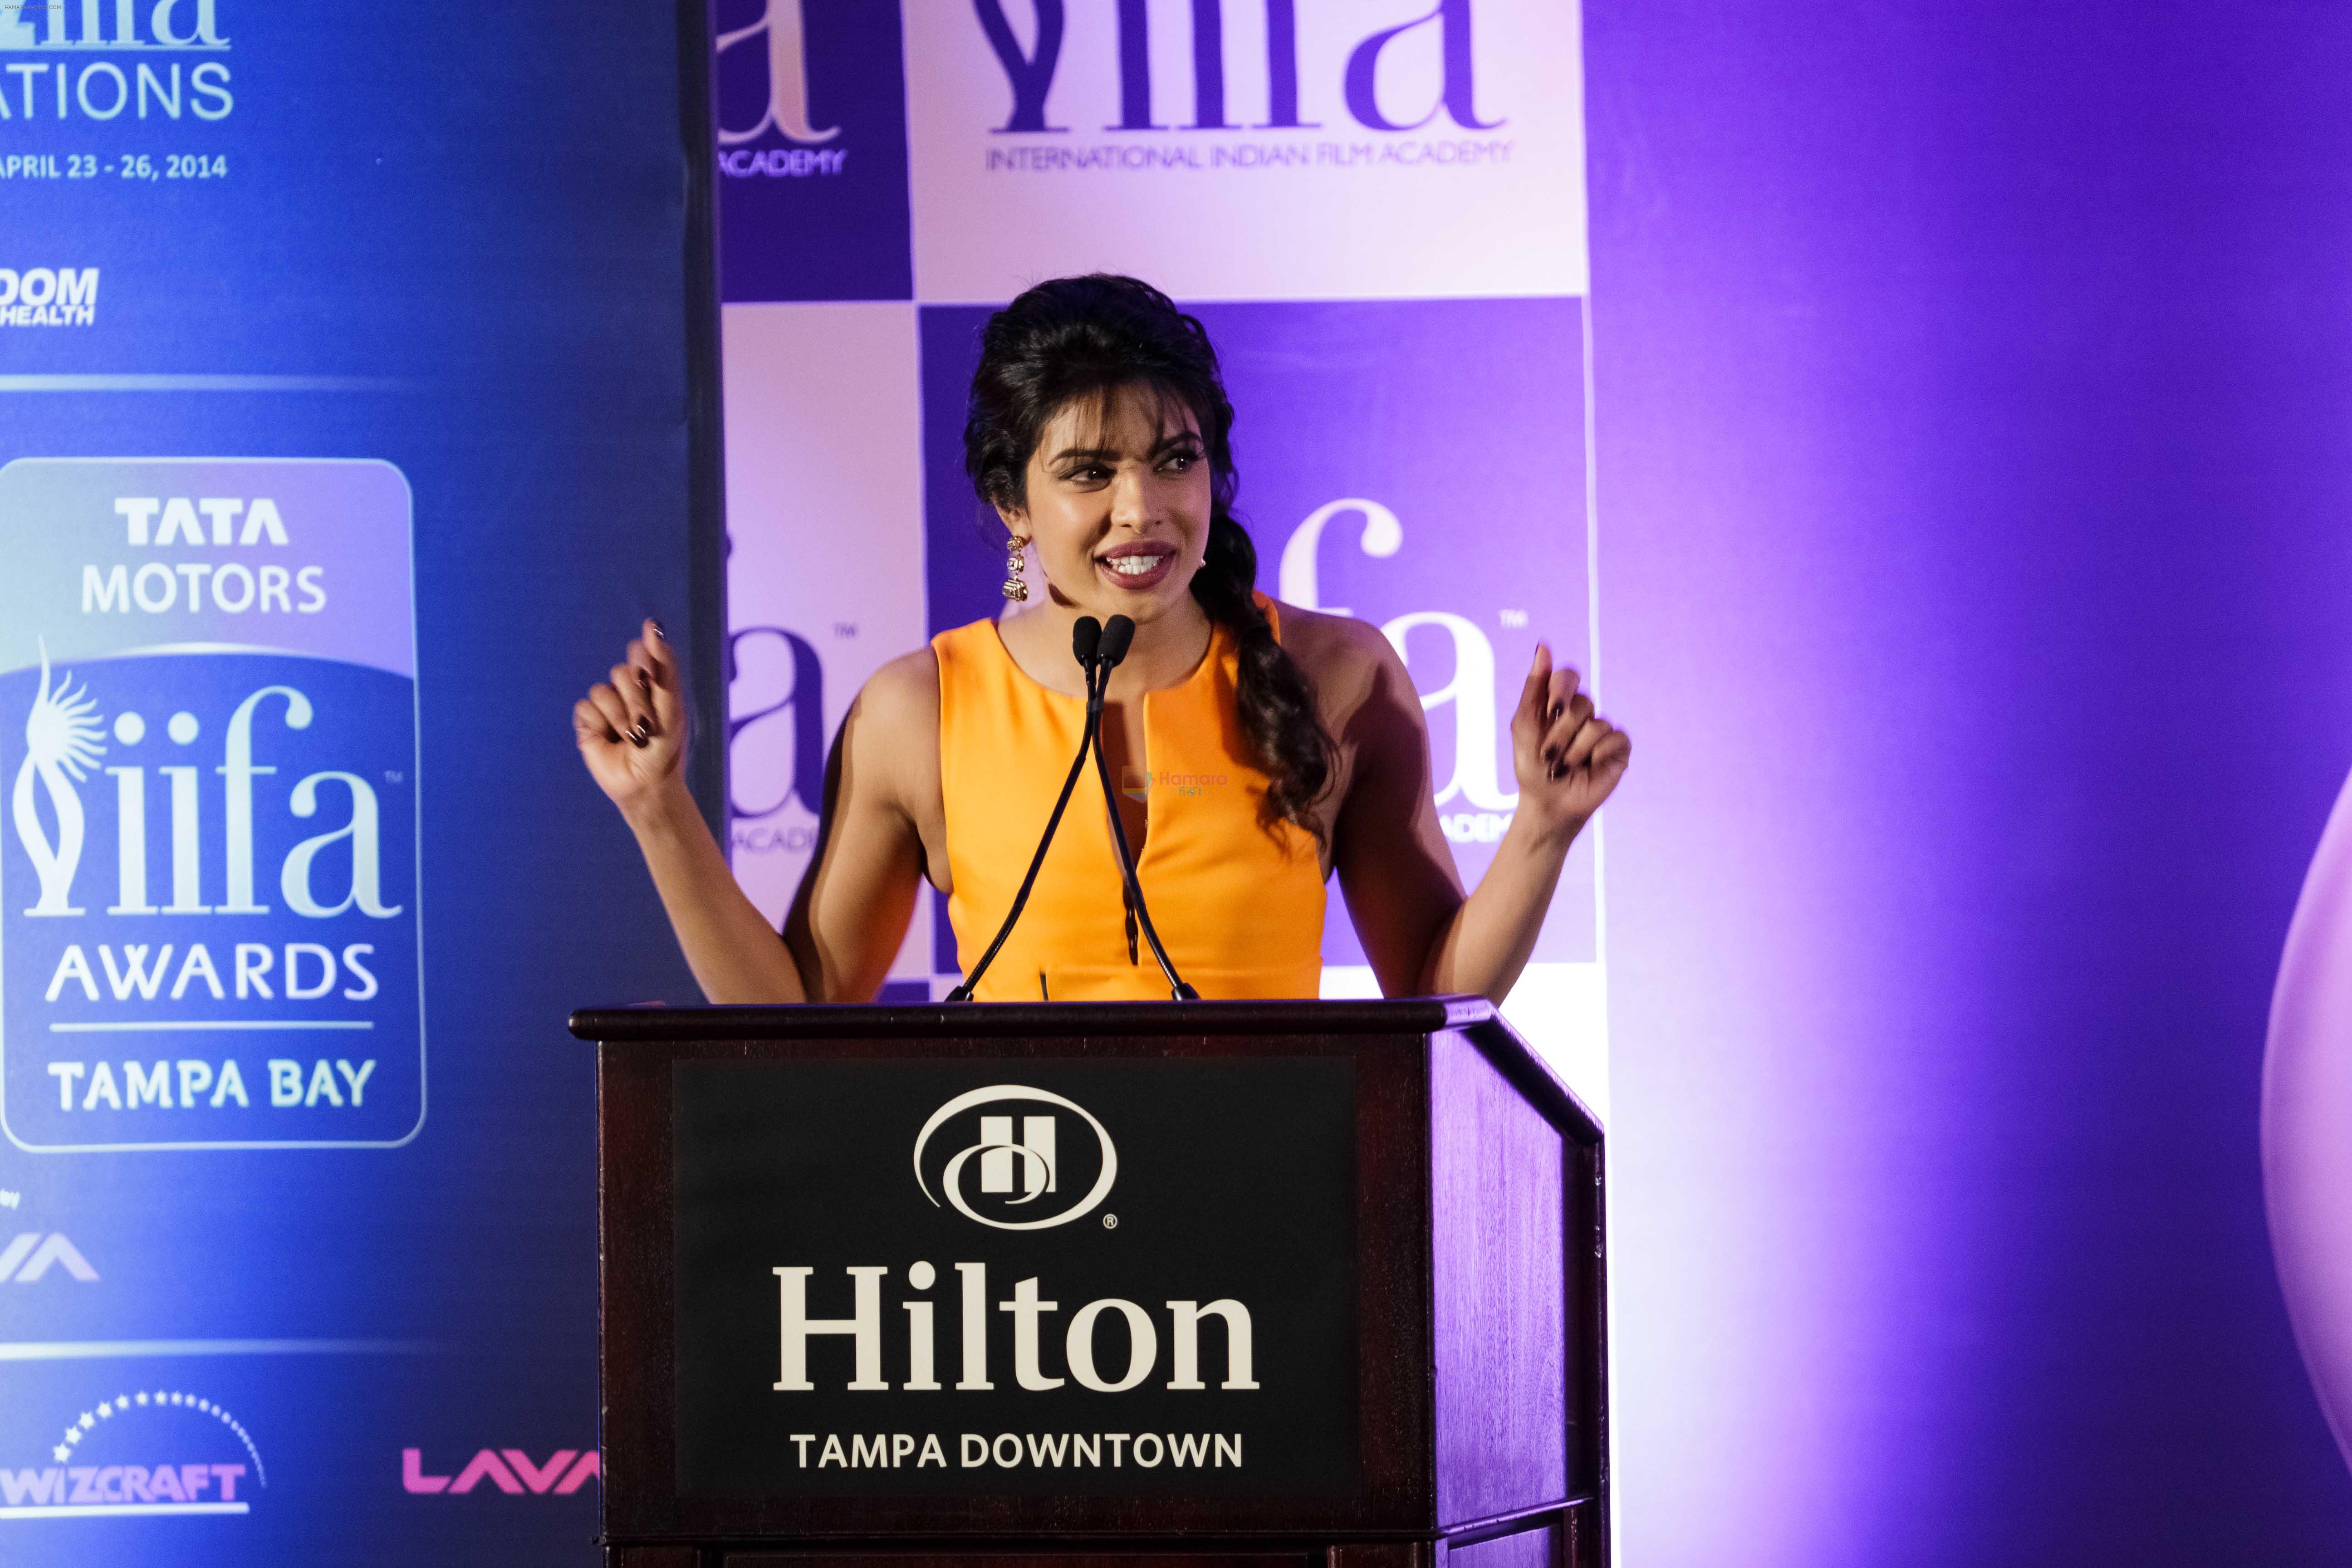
column 140, row 1452
column 208, row 902
column 1016, row 1161
column 49, row 297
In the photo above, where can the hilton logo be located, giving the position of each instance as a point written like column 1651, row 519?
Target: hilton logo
column 843, row 1330
column 1036, row 1151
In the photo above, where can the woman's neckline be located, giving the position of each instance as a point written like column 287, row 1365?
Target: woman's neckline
column 1200, row 665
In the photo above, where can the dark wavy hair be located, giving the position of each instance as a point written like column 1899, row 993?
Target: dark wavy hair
column 1079, row 340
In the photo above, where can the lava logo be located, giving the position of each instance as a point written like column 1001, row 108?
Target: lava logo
column 510, row 1470
column 208, row 1459
column 1030, row 1165
column 210, row 845
column 28, row 1256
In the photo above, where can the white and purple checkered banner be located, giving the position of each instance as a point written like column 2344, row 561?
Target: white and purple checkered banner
column 1377, row 207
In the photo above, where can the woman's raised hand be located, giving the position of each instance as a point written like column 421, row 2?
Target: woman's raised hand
column 632, row 726
column 1568, row 757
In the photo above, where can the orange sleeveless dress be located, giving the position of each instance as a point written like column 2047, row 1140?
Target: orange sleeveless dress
column 1240, row 908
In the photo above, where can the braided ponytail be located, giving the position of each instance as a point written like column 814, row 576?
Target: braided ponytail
column 1280, row 722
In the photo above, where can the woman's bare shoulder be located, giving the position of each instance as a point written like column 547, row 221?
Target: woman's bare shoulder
column 895, row 723
column 1345, row 657
column 907, row 687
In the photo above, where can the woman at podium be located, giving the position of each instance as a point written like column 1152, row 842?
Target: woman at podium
column 1261, row 747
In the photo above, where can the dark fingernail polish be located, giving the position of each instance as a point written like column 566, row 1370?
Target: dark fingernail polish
column 660, row 631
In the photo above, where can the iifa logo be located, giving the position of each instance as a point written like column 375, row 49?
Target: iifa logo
column 777, row 37
column 207, row 901
column 801, row 708
column 30, row 1255
column 49, row 297
column 61, row 742
column 200, row 1459
column 1030, row 67
column 102, row 89
column 1471, row 693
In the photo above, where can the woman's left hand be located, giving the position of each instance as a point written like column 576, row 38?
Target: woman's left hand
column 1568, row 757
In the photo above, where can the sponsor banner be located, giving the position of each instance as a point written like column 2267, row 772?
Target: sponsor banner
column 812, row 150
column 209, row 921
column 1249, row 148
column 346, row 435
column 824, row 541
column 912, row 1278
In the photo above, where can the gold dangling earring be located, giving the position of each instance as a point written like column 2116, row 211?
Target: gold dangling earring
column 1015, row 588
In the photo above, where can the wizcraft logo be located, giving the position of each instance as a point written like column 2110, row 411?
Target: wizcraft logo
column 49, row 297
column 1036, row 1151
column 199, row 1458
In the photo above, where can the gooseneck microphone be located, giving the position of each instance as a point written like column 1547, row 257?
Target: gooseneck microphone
column 1085, row 640
column 1116, row 637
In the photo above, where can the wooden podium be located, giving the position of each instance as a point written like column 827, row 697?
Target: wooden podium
column 1164, row 1285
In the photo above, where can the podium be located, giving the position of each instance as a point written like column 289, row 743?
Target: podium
column 1075, row 1285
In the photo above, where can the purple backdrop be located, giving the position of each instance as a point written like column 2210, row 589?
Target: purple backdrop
column 1972, row 391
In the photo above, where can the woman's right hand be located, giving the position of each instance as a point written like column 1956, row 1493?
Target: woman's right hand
column 632, row 726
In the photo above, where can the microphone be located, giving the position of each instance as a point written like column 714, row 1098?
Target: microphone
column 1086, row 638
column 1116, row 637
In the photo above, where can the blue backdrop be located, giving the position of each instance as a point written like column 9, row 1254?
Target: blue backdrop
column 469, row 243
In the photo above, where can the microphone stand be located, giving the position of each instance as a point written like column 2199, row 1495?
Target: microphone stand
column 1116, row 637
column 1084, row 639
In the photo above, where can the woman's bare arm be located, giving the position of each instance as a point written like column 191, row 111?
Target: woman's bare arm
column 632, row 734
column 1421, row 934
column 850, row 916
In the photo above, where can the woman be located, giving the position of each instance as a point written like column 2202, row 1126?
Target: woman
column 1273, row 745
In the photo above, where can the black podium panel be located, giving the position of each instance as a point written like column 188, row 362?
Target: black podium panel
column 1101, row 1278
column 1206, row 1285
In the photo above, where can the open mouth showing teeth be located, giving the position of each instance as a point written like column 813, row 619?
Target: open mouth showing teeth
column 1135, row 565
